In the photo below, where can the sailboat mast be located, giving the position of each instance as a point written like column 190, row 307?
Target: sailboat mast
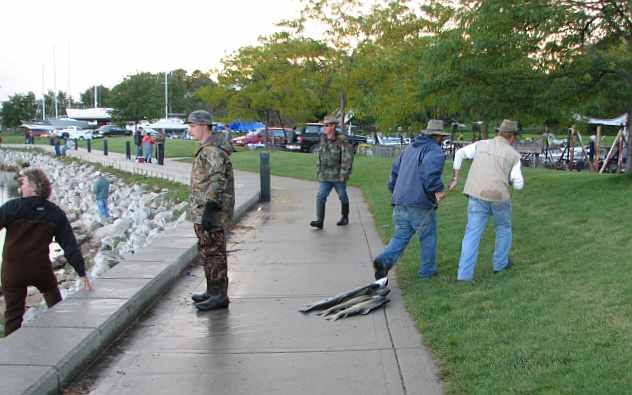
column 43, row 96
column 55, row 84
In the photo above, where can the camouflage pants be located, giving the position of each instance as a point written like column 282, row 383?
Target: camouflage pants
column 212, row 255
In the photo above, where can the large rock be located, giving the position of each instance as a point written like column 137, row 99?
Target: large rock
column 119, row 228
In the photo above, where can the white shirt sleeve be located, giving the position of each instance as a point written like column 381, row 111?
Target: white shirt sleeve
column 466, row 152
column 515, row 177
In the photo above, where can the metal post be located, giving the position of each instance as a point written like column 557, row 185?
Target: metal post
column 89, row 145
column 161, row 153
column 76, row 144
column 264, row 173
column 105, row 147
column 128, row 150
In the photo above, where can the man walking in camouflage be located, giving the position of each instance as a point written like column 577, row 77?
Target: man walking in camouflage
column 335, row 158
column 211, row 202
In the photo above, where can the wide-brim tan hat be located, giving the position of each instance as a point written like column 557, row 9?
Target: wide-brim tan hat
column 508, row 126
column 330, row 120
column 435, row 127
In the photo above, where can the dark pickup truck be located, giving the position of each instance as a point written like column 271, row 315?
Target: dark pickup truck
column 307, row 138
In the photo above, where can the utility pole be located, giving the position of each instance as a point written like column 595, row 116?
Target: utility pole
column 95, row 97
column 69, row 98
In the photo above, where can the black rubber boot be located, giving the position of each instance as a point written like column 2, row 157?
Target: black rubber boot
column 344, row 220
column 218, row 298
column 380, row 272
column 201, row 297
column 320, row 214
column 215, row 302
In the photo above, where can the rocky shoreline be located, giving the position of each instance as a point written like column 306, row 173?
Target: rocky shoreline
column 140, row 214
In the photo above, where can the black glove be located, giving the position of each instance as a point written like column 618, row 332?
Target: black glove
column 211, row 216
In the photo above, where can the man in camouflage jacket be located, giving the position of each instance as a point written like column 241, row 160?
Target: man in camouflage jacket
column 211, row 205
column 335, row 159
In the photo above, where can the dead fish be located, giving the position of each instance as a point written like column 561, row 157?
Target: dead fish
column 361, row 308
column 341, row 297
column 356, row 300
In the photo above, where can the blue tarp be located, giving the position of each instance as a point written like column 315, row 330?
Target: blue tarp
column 246, row 126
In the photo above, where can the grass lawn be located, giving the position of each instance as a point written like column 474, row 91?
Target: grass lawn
column 560, row 321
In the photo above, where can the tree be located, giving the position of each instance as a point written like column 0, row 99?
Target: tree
column 532, row 60
column 279, row 81
column 19, row 108
column 374, row 63
column 137, row 97
column 103, row 97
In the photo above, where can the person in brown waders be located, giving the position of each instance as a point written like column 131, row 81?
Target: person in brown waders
column 31, row 222
column 211, row 205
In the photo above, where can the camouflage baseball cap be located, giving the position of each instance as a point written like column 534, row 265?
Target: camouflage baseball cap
column 200, row 116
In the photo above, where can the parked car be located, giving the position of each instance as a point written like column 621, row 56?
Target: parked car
column 275, row 136
column 111, row 130
column 307, row 138
column 249, row 138
column 271, row 136
column 74, row 132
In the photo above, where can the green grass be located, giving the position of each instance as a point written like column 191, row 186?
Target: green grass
column 560, row 321
column 173, row 148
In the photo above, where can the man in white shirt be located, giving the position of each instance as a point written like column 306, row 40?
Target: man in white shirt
column 495, row 166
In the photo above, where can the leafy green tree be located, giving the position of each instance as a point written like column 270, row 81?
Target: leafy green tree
column 533, row 60
column 374, row 63
column 279, row 81
column 103, row 97
column 64, row 100
column 19, row 108
column 139, row 96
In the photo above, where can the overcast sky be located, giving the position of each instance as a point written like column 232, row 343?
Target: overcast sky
column 103, row 41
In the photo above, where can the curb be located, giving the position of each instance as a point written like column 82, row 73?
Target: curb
column 50, row 351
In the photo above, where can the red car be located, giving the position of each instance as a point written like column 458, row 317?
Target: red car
column 270, row 136
column 250, row 138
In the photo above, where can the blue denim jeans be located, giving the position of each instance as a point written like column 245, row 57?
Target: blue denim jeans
column 326, row 186
column 407, row 221
column 102, row 208
column 477, row 213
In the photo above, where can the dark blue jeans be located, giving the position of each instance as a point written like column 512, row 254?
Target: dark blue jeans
column 326, row 186
column 408, row 221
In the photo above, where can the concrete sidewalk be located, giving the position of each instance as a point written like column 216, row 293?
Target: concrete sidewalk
column 172, row 170
column 262, row 344
column 52, row 349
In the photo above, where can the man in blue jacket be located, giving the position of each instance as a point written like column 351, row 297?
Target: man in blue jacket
column 417, row 188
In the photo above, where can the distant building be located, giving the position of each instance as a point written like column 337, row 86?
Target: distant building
column 44, row 128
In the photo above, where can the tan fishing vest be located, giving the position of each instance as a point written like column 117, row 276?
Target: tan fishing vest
column 488, row 178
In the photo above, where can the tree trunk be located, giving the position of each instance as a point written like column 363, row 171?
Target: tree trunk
column 629, row 159
column 343, row 103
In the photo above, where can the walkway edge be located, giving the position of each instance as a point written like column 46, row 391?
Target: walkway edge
column 50, row 351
